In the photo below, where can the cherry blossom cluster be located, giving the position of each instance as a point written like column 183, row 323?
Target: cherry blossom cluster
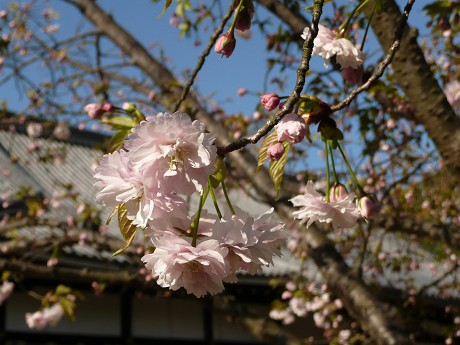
column 342, row 210
column 47, row 317
column 165, row 158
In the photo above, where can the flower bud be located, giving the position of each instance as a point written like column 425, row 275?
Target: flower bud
column 270, row 101
column 108, row 107
column 93, row 110
column 275, row 151
column 338, row 192
column 226, row 43
column 369, row 206
column 129, row 107
column 244, row 17
column 352, row 75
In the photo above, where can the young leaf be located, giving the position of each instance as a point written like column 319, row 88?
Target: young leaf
column 62, row 290
column 116, row 142
column 276, row 168
column 263, row 156
column 127, row 228
column 121, row 122
column 68, row 306
column 167, row 4
column 109, row 218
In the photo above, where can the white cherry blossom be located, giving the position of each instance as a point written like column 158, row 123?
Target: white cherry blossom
column 314, row 208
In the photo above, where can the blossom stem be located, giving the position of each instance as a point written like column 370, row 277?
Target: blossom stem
column 214, row 200
column 227, row 198
column 336, row 180
column 328, row 173
column 361, row 191
column 196, row 220
column 237, row 12
column 367, row 27
column 344, row 26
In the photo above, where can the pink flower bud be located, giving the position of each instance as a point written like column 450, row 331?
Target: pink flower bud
column 338, row 192
column 270, row 101
column 226, row 43
column 291, row 128
column 108, row 107
column 244, row 17
column 242, row 91
column 369, row 206
column 93, row 110
column 352, row 75
column 275, row 151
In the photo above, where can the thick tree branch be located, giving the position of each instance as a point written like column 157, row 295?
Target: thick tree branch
column 414, row 75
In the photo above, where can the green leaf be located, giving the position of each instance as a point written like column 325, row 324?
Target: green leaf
column 68, row 306
column 62, row 290
column 263, row 156
column 276, row 168
column 167, row 4
column 121, row 122
column 116, row 142
column 127, row 228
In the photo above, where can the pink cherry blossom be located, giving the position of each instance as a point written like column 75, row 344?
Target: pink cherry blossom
column 5, row 291
column 292, row 128
column 118, row 179
column 47, row 317
column 313, row 207
column 175, row 263
column 121, row 182
column 327, row 45
column 252, row 243
column 174, row 153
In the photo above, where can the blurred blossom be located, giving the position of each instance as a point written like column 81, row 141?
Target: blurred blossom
column 242, row 91
column 45, row 318
column 61, row 131
column 257, row 115
column 5, row 291
column 34, row 129
column 452, row 92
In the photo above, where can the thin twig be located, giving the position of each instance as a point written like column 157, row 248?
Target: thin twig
column 202, row 58
column 384, row 64
column 295, row 94
column 438, row 280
